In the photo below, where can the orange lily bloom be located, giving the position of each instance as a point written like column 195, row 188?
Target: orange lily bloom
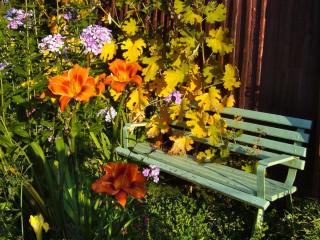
column 75, row 83
column 123, row 73
column 121, row 179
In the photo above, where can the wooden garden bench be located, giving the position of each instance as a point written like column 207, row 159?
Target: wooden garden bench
column 281, row 141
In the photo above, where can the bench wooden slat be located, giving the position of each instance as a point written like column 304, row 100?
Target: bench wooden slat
column 225, row 175
column 269, row 131
column 259, row 141
column 195, row 178
column 273, row 145
column 269, row 117
column 262, row 154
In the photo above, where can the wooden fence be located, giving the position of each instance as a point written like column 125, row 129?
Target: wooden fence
column 277, row 53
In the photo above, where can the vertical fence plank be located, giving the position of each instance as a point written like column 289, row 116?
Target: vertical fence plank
column 263, row 11
column 247, row 78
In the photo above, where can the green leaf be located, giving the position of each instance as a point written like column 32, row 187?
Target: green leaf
column 178, row 6
column 214, row 12
column 190, row 17
column 38, row 151
column 218, row 42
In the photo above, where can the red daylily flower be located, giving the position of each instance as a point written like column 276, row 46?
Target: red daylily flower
column 123, row 73
column 75, row 83
column 121, row 179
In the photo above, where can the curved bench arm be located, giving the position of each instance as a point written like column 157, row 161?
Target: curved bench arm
column 125, row 132
column 269, row 162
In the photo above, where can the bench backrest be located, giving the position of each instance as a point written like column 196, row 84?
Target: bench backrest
column 272, row 133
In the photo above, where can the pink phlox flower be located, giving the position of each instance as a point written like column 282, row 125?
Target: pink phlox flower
column 174, row 96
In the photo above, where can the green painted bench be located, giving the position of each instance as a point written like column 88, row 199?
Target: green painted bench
column 281, row 141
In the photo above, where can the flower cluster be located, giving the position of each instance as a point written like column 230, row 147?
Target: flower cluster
column 94, row 37
column 52, row 43
column 108, row 113
column 174, row 96
column 152, row 172
column 17, row 17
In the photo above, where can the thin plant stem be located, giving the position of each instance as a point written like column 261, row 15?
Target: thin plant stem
column 21, row 206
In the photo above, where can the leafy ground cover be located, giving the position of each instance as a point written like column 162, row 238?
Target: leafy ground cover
column 72, row 73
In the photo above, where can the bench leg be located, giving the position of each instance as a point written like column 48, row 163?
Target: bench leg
column 289, row 203
column 258, row 221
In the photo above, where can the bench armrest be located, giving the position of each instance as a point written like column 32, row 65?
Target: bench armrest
column 125, row 132
column 278, row 160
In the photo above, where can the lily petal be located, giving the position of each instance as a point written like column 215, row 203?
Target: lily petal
column 122, row 198
column 64, row 100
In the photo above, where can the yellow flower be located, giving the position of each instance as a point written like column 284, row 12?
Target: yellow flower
column 37, row 223
column 28, row 83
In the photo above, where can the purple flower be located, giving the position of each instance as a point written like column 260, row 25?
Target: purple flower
column 146, row 172
column 152, row 172
column 3, row 65
column 108, row 113
column 17, row 18
column 174, row 96
column 52, row 43
column 67, row 16
column 94, row 37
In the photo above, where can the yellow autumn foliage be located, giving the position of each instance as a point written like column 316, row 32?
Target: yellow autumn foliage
column 181, row 144
column 108, row 51
column 130, row 27
column 133, row 49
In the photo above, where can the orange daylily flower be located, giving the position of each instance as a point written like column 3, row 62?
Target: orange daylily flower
column 121, row 179
column 123, row 73
column 77, row 84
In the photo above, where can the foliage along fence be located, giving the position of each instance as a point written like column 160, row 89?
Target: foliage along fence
column 276, row 47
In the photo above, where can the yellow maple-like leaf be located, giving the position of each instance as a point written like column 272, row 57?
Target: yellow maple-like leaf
column 206, row 156
column 230, row 101
column 230, row 78
column 216, row 130
column 130, row 27
column 108, row 51
column 214, row 135
column 190, row 17
column 211, row 100
column 197, row 123
column 172, row 78
column 177, row 111
column 151, row 70
column 250, row 167
column 214, row 12
column 138, row 100
column 178, row 6
column 218, row 42
column 181, row 144
column 134, row 49
column 159, row 123
column 115, row 95
column 208, row 74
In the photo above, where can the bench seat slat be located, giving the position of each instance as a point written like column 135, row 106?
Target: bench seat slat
column 225, row 175
column 269, row 117
column 195, row 178
column 269, row 131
